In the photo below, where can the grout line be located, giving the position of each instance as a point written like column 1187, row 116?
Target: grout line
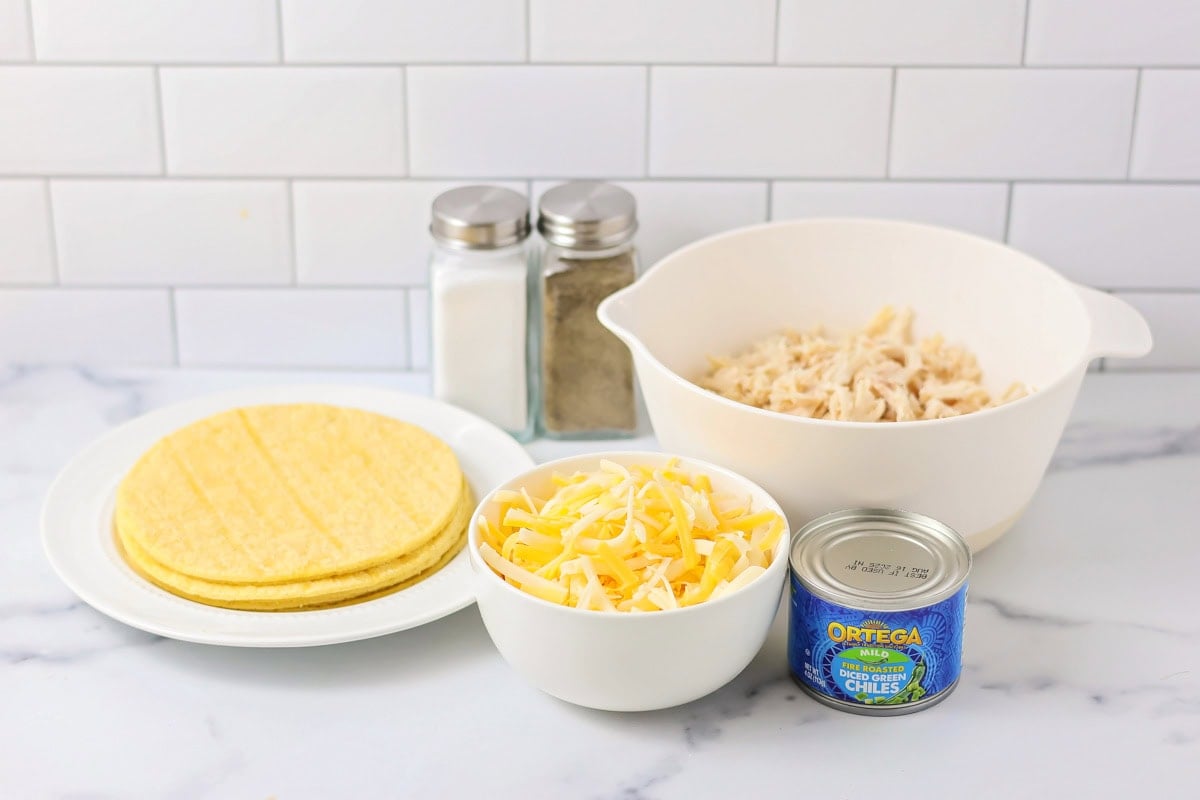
column 1131, row 371
column 770, row 199
column 400, row 287
column 218, row 287
column 162, row 123
column 174, row 326
column 1025, row 33
column 408, row 330
column 775, row 50
column 887, row 156
column 293, row 258
column 279, row 31
column 808, row 65
column 1008, row 204
column 56, row 270
column 1137, row 97
column 29, row 30
column 203, row 366
column 404, row 122
column 528, row 36
column 155, row 178
column 646, row 126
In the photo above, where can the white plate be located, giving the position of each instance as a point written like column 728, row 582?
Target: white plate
column 77, row 526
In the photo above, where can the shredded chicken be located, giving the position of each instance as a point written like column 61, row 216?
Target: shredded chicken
column 879, row 374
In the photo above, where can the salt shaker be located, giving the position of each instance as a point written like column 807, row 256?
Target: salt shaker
column 586, row 372
column 479, row 287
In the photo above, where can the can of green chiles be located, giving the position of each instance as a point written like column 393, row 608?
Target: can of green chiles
column 878, row 600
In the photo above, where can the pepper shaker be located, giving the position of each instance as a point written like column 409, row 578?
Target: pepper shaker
column 587, row 388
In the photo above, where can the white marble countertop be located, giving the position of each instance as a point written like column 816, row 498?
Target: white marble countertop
column 1082, row 657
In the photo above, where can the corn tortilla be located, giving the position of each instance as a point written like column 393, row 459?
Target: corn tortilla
column 284, row 494
column 374, row 580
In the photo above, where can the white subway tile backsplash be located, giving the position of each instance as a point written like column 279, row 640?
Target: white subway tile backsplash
column 524, row 120
column 973, row 207
column 1010, row 123
column 418, row 328
column 1175, row 323
column 161, row 31
column 909, row 32
column 56, row 120
column 366, row 232
column 172, row 233
column 654, row 31
column 270, row 164
column 768, row 122
column 362, row 233
column 284, row 121
column 1114, row 235
column 414, row 31
column 1114, row 32
column 1166, row 141
column 102, row 326
column 361, row 328
column 672, row 214
column 14, row 31
column 25, row 248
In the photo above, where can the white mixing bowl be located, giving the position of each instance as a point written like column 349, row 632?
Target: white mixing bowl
column 619, row 661
column 977, row 472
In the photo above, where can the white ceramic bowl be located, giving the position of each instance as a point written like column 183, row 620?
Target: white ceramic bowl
column 618, row 661
column 977, row 472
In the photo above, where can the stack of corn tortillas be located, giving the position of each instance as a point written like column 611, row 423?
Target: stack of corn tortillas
column 292, row 507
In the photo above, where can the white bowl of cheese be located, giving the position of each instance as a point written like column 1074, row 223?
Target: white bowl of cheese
column 636, row 660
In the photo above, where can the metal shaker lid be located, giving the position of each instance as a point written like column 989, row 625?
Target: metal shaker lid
column 587, row 215
column 480, row 218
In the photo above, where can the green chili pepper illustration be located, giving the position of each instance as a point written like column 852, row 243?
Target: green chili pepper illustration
column 911, row 691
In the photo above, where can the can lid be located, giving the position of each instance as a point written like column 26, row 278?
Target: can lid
column 878, row 559
column 587, row 215
column 480, row 218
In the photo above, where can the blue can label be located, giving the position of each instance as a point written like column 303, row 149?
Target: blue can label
column 875, row 658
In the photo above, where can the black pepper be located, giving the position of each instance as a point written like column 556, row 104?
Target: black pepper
column 586, row 371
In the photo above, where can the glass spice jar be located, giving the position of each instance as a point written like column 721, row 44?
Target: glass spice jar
column 478, row 293
column 587, row 387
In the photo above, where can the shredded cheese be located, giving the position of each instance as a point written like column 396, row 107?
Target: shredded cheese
column 630, row 539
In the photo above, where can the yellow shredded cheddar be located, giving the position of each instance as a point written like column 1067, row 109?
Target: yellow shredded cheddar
column 631, row 539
